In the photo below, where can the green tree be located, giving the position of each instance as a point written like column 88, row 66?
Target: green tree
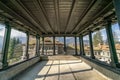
column 11, row 47
column 13, row 42
column 97, row 38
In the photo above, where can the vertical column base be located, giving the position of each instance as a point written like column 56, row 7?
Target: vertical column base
column 115, row 65
column 5, row 65
column 93, row 57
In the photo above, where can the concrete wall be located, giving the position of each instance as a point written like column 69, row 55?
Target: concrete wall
column 111, row 73
column 11, row 72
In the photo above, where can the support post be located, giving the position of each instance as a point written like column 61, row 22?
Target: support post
column 65, row 44
column 37, row 44
column 113, row 54
column 82, row 46
column 76, row 46
column 91, row 45
column 53, row 45
column 27, row 46
column 117, row 9
column 6, row 45
column 43, row 45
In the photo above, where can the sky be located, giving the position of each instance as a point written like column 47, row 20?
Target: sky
column 16, row 33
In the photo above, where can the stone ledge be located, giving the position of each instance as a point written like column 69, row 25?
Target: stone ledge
column 102, row 69
column 11, row 72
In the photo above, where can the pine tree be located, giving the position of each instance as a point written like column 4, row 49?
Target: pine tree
column 11, row 47
column 97, row 38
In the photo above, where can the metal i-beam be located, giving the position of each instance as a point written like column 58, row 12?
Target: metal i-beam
column 18, row 17
column 117, row 9
column 84, row 14
column 94, row 17
column 37, row 45
column 76, row 53
column 45, row 14
column 54, row 45
column 6, row 45
column 42, row 45
column 65, row 44
column 91, row 45
column 113, row 53
column 56, row 7
column 74, row 3
column 31, row 15
column 27, row 45
column 81, row 46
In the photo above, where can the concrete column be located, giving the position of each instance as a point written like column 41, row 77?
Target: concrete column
column 91, row 45
column 6, row 45
column 42, row 45
column 117, row 9
column 76, row 46
column 54, row 45
column 65, row 44
column 113, row 54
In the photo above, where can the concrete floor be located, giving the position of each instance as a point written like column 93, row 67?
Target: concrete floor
column 60, row 70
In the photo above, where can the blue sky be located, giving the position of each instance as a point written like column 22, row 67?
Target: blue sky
column 16, row 33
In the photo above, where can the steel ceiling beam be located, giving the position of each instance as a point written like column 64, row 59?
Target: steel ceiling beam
column 109, row 5
column 56, row 7
column 18, row 17
column 45, row 15
column 32, row 16
column 84, row 14
column 74, row 3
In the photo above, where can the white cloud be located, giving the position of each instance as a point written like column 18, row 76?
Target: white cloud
column 16, row 33
column 2, row 31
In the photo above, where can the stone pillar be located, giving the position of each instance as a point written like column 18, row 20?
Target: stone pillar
column 113, row 54
column 91, row 45
column 6, row 45
column 76, row 46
